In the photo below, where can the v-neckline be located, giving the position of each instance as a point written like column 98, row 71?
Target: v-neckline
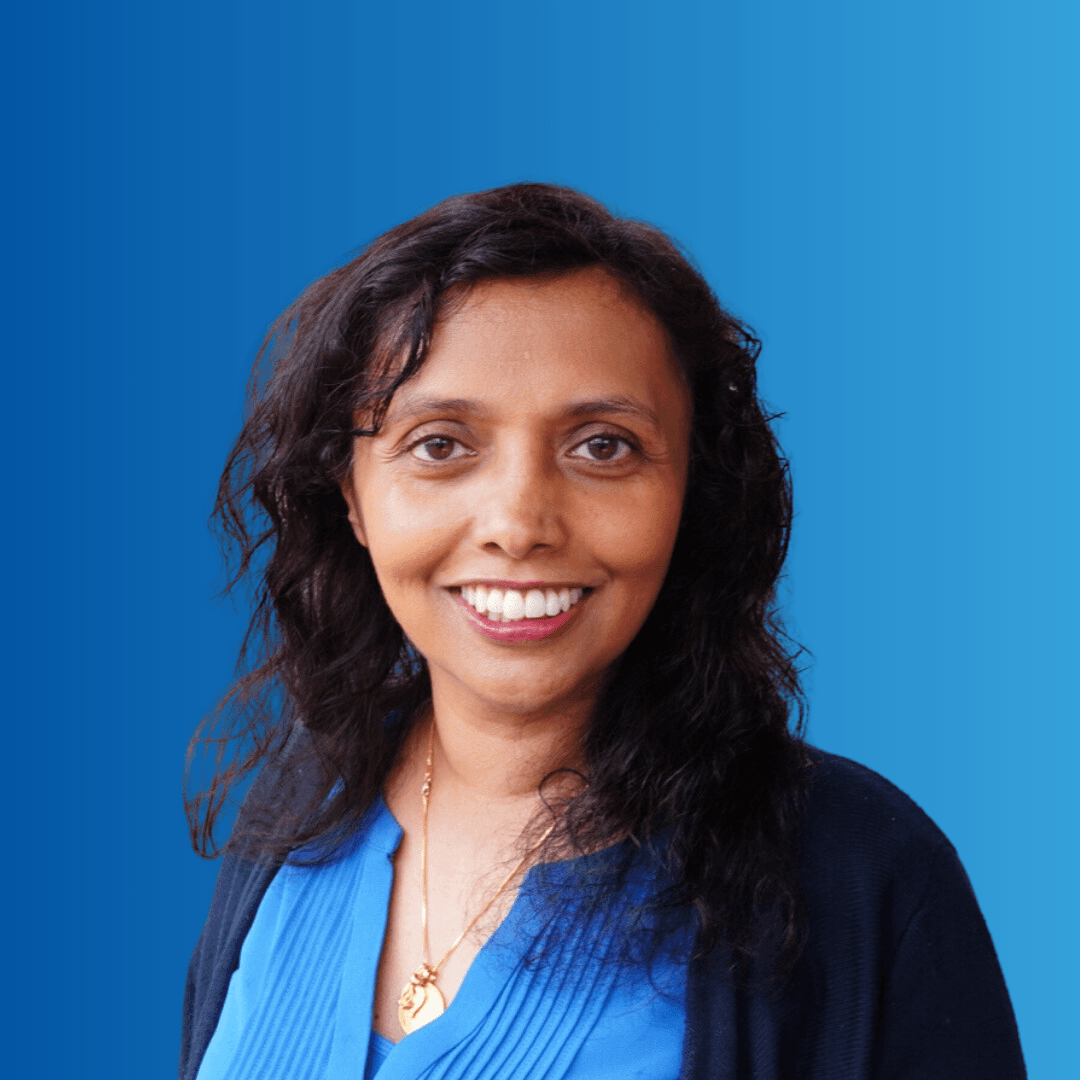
column 490, row 970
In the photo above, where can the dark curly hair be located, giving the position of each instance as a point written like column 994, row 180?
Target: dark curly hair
column 696, row 738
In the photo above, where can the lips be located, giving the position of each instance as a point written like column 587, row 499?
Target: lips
column 511, row 605
column 518, row 627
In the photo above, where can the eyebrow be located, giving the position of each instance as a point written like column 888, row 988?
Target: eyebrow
column 619, row 405
column 616, row 405
column 419, row 406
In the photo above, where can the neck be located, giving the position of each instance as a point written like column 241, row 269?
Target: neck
column 500, row 760
column 503, row 755
column 488, row 766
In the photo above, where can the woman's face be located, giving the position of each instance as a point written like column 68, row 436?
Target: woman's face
column 538, row 458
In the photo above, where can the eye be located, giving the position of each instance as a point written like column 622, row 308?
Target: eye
column 604, row 448
column 437, row 448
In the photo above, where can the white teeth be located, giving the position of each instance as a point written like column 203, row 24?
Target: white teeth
column 513, row 607
column 534, row 604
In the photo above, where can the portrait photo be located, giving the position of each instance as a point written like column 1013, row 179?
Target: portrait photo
column 542, row 539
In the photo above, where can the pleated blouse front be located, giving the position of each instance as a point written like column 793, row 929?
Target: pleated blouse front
column 545, row 997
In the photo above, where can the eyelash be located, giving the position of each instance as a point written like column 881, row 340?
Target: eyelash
column 430, row 439
column 608, row 436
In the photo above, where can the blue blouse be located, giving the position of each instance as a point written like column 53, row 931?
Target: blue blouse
column 546, row 996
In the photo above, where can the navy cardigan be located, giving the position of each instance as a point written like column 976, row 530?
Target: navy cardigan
column 898, row 979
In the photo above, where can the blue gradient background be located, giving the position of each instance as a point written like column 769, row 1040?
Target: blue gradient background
column 887, row 192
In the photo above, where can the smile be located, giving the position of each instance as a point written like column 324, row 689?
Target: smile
column 512, row 605
column 519, row 615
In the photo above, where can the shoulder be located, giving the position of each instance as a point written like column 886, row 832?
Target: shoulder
column 897, row 975
column 849, row 804
column 869, row 857
column 898, row 958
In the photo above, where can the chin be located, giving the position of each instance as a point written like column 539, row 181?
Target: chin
column 510, row 699
column 524, row 693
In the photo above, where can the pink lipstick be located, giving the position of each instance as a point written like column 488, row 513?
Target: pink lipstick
column 520, row 629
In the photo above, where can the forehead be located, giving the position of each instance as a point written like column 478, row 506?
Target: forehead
column 542, row 338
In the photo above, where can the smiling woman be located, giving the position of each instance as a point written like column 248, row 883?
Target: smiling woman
column 542, row 448
column 530, row 800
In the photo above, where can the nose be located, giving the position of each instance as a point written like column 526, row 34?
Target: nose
column 519, row 507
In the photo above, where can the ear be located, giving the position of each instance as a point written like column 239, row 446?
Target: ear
column 353, row 503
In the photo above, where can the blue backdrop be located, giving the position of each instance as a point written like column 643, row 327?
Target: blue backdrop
column 886, row 191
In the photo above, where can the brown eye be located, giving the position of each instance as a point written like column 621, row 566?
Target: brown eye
column 437, row 448
column 605, row 448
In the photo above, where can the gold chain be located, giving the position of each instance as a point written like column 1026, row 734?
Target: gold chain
column 421, row 1001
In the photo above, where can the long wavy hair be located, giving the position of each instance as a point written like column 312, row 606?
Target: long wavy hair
column 696, row 736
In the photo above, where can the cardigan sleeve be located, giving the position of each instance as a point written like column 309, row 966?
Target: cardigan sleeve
column 898, row 979
column 240, row 887
column 945, row 1010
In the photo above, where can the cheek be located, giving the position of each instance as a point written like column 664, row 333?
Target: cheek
column 636, row 537
column 405, row 537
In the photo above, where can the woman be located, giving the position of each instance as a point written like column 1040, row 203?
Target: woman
column 530, row 803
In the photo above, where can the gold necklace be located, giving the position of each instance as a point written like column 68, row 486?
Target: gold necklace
column 421, row 1000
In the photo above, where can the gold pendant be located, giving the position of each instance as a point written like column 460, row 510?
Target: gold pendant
column 420, row 1001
